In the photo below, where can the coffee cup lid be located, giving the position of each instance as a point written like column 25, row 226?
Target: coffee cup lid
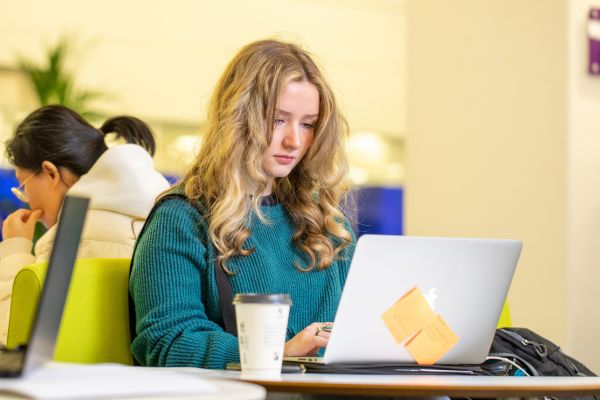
column 258, row 298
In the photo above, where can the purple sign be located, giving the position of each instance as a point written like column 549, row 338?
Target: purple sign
column 593, row 32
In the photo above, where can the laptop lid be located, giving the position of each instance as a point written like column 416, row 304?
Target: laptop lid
column 56, row 286
column 465, row 281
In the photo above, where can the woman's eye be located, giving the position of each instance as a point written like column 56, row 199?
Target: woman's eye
column 279, row 121
column 308, row 125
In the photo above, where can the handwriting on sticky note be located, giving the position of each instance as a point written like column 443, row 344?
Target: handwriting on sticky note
column 410, row 314
column 430, row 344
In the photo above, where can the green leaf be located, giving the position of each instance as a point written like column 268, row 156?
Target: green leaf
column 53, row 84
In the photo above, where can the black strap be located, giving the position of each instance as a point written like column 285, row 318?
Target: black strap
column 223, row 285
column 225, row 300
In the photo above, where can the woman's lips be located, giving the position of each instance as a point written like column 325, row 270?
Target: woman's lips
column 284, row 160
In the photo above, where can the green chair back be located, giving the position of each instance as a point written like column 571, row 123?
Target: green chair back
column 95, row 322
column 505, row 318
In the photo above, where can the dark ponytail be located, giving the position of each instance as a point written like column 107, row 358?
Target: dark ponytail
column 133, row 130
column 61, row 136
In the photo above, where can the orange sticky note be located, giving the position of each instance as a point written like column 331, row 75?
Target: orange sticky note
column 408, row 315
column 429, row 345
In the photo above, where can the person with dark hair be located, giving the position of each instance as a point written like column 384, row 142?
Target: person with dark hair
column 56, row 152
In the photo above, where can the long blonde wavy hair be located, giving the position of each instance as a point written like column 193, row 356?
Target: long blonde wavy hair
column 239, row 130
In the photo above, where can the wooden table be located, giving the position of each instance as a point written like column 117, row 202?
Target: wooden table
column 428, row 386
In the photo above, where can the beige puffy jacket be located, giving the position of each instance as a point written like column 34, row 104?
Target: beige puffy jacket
column 122, row 186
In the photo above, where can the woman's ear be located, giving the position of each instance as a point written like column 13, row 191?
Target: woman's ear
column 52, row 171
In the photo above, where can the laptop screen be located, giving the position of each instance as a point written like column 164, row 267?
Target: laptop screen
column 58, row 279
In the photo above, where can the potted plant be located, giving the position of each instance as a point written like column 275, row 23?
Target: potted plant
column 54, row 84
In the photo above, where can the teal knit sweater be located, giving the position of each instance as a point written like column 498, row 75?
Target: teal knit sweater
column 173, row 286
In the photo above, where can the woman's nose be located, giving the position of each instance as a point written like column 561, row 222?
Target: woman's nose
column 292, row 139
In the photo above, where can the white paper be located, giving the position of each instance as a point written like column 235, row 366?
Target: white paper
column 69, row 381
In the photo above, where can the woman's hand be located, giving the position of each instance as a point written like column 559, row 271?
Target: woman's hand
column 20, row 223
column 308, row 341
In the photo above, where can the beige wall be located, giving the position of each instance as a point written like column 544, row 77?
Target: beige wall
column 583, row 192
column 486, row 137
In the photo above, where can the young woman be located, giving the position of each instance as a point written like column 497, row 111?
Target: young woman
column 56, row 152
column 261, row 203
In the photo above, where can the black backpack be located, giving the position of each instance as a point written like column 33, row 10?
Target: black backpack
column 520, row 351
column 535, row 354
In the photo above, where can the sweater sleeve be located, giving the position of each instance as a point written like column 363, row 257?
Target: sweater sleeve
column 169, row 265
column 15, row 253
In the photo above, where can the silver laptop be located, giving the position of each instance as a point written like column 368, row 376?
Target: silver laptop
column 54, row 294
column 465, row 281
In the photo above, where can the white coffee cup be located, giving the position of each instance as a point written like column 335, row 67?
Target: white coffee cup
column 262, row 325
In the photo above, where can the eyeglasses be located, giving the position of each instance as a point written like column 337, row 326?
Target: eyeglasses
column 19, row 193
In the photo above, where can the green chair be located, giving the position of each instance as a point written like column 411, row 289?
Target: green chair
column 505, row 318
column 95, row 323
